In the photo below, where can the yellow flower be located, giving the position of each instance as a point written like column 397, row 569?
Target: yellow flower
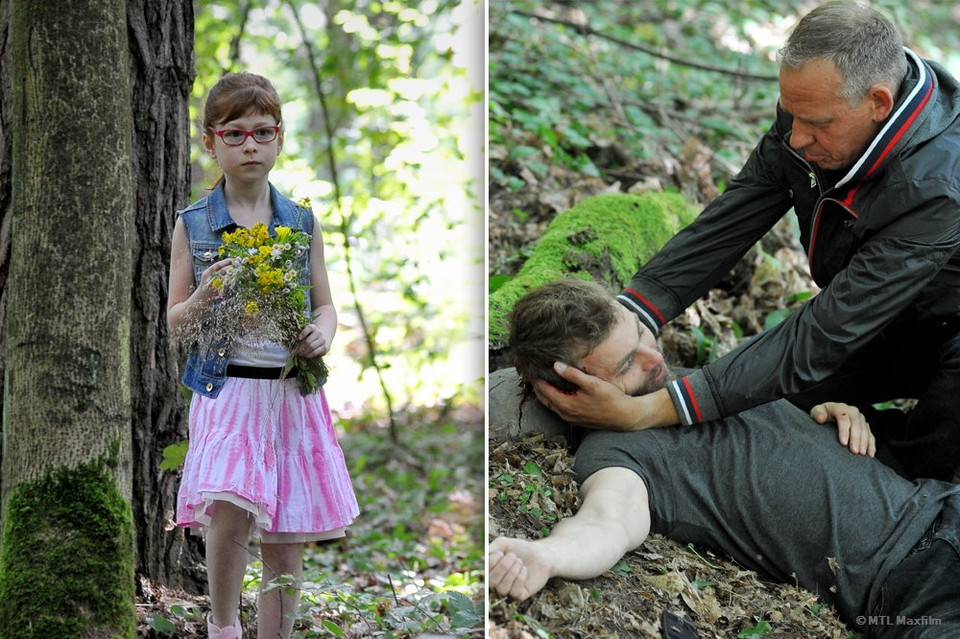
column 265, row 250
column 216, row 283
column 270, row 277
column 258, row 234
column 251, row 308
column 282, row 232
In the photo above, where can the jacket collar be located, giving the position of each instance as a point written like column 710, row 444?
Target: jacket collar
column 284, row 210
column 918, row 90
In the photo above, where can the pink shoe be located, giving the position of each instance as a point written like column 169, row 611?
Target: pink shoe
column 216, row 632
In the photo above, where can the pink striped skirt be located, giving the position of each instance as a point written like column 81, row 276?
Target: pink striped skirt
column 263, row 447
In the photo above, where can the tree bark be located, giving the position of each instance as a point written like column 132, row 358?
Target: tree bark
column 6, row 167
column 67, row 463
column 161, row 72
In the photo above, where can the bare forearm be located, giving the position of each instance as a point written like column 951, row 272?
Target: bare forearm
column 613, row 519
column 325, row 318
column 180, row 314
column 652, row 411
column 588, row 549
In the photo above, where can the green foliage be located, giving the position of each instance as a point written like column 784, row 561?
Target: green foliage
column 413, row 560
column 537, row 627
column 591, row 88
column 531, row 468
column 777, row 316
column 163, row 626
column 644, row 77
column 694, row 551
column 706, row 351
column 174, row 455
column 605, row 238
column 762, row 629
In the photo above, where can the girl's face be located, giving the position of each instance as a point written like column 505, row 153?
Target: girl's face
column 250, row 161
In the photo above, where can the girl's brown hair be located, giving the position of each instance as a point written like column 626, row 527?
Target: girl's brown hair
column 236, row 94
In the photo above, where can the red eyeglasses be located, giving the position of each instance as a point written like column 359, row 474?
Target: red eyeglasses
column 236, row 137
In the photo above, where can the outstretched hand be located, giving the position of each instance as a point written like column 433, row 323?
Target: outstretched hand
column 853, row 431
column 518, row 568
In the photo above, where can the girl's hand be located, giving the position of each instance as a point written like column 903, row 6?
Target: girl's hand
column 212, row 270
column 312, row 342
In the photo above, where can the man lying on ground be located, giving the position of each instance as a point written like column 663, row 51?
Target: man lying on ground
column 770, row 487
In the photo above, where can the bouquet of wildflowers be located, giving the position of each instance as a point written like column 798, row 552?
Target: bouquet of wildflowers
column 260, row 298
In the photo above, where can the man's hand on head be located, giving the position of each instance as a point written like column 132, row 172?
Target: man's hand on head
column 853, row 431
column 601, row 405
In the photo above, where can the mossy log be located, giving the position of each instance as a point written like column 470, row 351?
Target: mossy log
column 605, row 238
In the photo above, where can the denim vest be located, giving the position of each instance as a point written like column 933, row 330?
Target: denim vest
column 205, row 222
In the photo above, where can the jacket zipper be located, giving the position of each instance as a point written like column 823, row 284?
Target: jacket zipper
column 806, row 165
column 814, row 184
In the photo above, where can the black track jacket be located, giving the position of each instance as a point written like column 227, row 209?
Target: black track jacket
column 881, row 243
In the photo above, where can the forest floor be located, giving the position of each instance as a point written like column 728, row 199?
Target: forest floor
column 412, row 562
column 531, row 483
column 532, row 486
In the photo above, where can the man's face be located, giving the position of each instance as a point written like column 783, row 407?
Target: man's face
column 629, row 357
column 826, row 128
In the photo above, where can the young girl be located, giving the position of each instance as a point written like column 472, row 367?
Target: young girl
column 263, row 459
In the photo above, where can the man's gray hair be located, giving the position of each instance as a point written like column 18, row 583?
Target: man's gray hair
column 866, row 48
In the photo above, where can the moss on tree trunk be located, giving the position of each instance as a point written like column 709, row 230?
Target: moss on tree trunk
column 66, row 534
column 605, row 238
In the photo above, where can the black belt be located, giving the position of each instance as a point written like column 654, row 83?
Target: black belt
column 256, row 372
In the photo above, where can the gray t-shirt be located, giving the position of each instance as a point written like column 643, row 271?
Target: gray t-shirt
column 775, row 491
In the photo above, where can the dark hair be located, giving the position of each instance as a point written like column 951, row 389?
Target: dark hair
column 861, row 42
column 236, row 94
column 559, row 322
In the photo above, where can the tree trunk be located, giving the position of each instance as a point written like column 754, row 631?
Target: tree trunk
column 66, row 553
column 6, row 168
column 161, row 72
